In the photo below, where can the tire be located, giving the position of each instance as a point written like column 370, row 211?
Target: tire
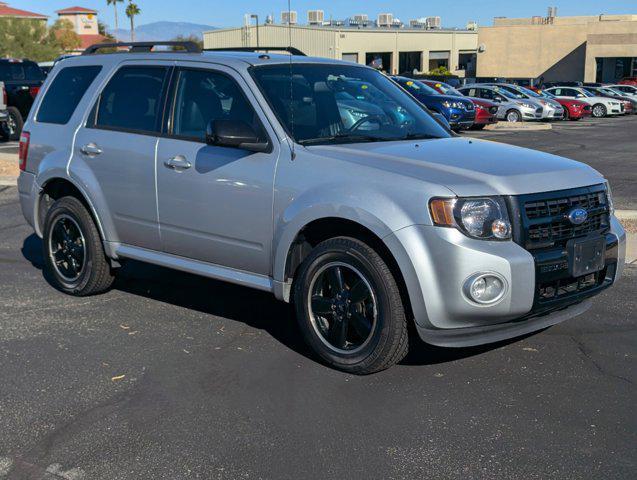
column 383, row 341
column 69, row 215
column 478, row 127
column 567, row 115
column 513, row 116
column 14, row 124
column 599, row 110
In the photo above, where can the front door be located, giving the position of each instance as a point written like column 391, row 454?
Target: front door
column 215, row 203
column 117, row 146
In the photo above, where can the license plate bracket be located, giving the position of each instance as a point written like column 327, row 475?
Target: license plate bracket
column 586, row 255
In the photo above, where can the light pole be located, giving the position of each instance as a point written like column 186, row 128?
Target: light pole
column 256, row 18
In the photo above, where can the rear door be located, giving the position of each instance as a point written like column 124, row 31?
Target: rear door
column 117, row 147
column 217, row 208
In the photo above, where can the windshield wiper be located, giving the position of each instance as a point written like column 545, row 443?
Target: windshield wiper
column 417, row 136
column 346, row 137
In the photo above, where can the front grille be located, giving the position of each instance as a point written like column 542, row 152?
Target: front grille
column 544, row 217
column 566, row 287
column 587, row 108
column 538, row 110
column 493, row 110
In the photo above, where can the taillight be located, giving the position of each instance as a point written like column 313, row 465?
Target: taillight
column 34, row 91
column 23, row 150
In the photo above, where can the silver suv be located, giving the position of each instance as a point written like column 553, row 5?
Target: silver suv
column 322, row 182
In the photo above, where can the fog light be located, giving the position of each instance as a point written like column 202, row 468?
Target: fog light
column 485, row 288
column 501, row 229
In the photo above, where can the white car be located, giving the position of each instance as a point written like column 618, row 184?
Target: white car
column 602, row 106
column 629, row 90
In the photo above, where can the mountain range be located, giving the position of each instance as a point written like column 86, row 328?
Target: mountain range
column 162, row 31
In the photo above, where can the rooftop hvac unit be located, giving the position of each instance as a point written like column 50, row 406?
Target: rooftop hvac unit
column 361, row 20
column 471, row 25
column 418, row 23
column 315, row 17
column 385, row 20
column 432, row 22
column 289, row 18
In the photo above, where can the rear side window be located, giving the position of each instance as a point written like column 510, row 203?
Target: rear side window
column 64, row 94
column 133, row 100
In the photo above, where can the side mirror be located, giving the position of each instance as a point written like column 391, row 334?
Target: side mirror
column 579, row 95
column 498, row 99
column 235, row 134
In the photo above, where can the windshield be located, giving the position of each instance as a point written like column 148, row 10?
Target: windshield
column 416, row 87
column 589, row 93
column 529, row 92
column 448, row 89
column 333, row 103
column 545, row 94
column 506, row 93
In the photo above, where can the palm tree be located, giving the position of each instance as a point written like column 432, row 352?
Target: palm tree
column 131, row 11
column 114, row 3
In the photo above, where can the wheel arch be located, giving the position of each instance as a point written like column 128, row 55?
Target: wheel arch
column 317, row 230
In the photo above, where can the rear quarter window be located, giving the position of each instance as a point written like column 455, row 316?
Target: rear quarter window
column 65, row 93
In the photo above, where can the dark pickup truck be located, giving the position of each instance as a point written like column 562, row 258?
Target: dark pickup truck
column 22, row 80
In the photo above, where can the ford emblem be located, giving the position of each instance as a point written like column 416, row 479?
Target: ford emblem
column 577, row 216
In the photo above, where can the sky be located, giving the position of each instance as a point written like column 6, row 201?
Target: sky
column 229, row 13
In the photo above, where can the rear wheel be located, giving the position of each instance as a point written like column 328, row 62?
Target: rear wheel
column 599, row 110
column 14, row 124
column 567, row 115
column 73, row 252
column 349, row 307
column 513, row 116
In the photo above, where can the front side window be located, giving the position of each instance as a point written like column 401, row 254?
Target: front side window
column 64, row 94
column 132, row 100
column 203, row 96
column 334, row 103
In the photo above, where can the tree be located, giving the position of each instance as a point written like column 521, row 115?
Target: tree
column 21, row 38
column 63, row 34
column 131, row 11
column 441, row 70
column 114, row 3
column 189, row 38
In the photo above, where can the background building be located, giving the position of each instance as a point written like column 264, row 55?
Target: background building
column 392, row 48
column 599, row 48
column 9, row 12
column 84, row 21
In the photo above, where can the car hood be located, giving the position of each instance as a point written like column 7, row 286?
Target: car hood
column 469, row 167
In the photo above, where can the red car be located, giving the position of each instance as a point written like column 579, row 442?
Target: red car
column 486, row 111
column 628, row 81
column 573, row 109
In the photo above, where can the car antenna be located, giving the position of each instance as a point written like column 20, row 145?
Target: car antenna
column 291, row 94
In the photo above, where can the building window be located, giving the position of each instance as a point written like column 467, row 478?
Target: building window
column 467, row 62
column 350, row 57
column 439, row 59
column 408, row 62
column 379, row 60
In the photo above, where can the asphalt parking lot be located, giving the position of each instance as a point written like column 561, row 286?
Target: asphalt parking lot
column 173, row 376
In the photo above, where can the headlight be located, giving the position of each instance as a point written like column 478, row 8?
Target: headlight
column 357, row 113
column 480, row 107
column 484, row 218
column 448, row 104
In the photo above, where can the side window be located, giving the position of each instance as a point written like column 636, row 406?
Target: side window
column 486, row 93
column 203, row 96
column 64, row 94
column 132, row 100
column 569, row 92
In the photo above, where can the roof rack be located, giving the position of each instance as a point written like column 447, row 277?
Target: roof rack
column 290, row 50
column 143, row 47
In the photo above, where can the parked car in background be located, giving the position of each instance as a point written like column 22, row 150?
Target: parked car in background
column 370, row 234
column 22, row 80
column 546, row 85
column 459, row 112
column 553, row 110
column 4, row 115
column 510, row 108
column 486, row 111
column 630, row 104
column 628, row 81
column 601, row 106
column 573, row 109
column 627, row 89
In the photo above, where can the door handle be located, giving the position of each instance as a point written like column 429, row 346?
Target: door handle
column 178, row 162
column 91, row 150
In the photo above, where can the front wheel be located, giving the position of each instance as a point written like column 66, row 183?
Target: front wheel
column 73, row 252
column 599, row 110
column 349, row 307
column 513, row 116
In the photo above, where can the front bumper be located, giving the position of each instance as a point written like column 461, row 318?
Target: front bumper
column 532, row 113
column 445, row 316
column 460, row 118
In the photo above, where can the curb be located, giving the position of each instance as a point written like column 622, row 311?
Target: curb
column 626, row 214
column 517, row 127
column 8, row 181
